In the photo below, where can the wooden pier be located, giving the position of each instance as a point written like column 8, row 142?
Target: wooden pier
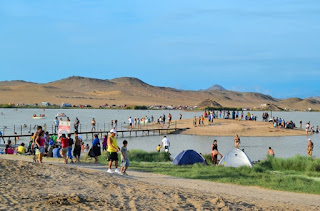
column 120, row 133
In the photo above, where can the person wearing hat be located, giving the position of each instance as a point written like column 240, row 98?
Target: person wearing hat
column 310, row 147
column 113, row 150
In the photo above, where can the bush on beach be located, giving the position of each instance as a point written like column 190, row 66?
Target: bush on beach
column 298, row 163
column 141, row 156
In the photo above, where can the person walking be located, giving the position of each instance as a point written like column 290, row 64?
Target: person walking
column 77, row 146
column 40, row 140
column 165, row 143
column 70, row 144
column 96, row 150
column 64, row 147
column 124, row 158
column 112, row 150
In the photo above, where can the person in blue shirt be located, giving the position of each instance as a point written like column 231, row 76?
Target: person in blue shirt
column 95, row 150
column 2, row 137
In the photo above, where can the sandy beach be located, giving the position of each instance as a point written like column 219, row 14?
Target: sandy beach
column 53, row 186
column 228, row 127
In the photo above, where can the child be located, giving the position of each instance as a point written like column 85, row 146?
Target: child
column 158, row 148
column 124, row 158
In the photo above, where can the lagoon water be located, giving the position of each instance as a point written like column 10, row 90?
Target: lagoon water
column 255, row 147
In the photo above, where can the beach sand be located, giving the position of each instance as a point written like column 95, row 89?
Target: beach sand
column 228, row 127
column 53, row 186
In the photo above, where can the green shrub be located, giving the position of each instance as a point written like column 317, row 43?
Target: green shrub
column 140, row 156
column 297, row 163
column 140, row 107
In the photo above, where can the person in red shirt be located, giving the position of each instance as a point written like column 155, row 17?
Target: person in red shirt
column 64, row 147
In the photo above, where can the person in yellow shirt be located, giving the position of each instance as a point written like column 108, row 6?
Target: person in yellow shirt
column 21, row 149
column 113, row 150
column 158, row 148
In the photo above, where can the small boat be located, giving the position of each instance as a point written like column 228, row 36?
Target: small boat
column 41, row 116
column 61, row 115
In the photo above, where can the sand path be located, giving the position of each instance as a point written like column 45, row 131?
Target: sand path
column 54, row 186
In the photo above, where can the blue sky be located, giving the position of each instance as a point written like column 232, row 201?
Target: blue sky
column 272, row 47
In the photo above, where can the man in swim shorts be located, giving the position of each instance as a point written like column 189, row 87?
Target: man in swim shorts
column 236, row 141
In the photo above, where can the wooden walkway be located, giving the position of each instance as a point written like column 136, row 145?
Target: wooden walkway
column 120, row 133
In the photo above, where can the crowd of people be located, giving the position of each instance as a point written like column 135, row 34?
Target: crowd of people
column 71, row 146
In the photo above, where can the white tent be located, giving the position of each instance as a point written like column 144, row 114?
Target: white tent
column 235, row 158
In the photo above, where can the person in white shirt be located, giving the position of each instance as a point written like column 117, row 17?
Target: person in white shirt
column 165, row 143
column 130, row 122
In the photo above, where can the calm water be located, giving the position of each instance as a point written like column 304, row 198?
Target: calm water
column 255, row 147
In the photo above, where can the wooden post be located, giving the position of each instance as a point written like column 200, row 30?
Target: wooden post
column 136, row 134
column 21, row 129
column 14, row 129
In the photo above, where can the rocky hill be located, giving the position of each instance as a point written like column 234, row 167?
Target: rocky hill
column 133, row 91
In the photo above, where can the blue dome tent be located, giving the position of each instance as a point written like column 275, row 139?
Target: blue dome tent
column 188, row 157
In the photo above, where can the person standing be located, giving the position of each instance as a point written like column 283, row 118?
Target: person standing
column 112, row 150
column 93, row 125
column 40, row 140
column 169, row 119
column 195, row 121
column 270, row 152
column 2, row 137
column 164, row 119
column 215, row 153
column 180, row 116
column 307, row 127
column 124, row 158
column 76, row 124
column 310, row 147
column 130, row 123
column 236, row 141
column 56, row 125
column 105, row 143
column 77, row 146
column 70, row 144
column 165, row 143
column 64, row 147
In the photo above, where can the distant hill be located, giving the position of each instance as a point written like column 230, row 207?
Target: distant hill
column 216, row 87
column 315, row 98
column 133, row 91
